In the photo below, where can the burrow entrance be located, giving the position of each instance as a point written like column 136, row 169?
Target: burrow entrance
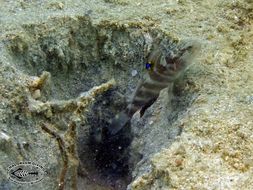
column 79, row 56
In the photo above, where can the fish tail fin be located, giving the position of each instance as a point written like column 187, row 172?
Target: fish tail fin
column 118, row 122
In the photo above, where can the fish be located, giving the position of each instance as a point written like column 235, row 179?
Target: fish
column 164, row 65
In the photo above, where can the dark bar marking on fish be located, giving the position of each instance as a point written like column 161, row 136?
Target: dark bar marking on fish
column 145, row 93
column 154, row 85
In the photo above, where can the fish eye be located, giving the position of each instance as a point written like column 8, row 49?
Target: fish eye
column 149, row 65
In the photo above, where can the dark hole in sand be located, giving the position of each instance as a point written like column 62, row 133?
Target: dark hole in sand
column 107, row 160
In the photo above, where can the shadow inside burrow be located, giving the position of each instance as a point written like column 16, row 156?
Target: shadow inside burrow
column 104, row 157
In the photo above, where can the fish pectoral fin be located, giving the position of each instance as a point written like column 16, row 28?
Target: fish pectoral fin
column 118, row 122
column 147, row 105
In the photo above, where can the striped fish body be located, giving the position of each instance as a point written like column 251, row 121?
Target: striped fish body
column 165, row 68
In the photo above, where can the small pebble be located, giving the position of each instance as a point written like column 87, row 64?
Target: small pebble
column 25, row 145
column 4, row 136
column 134, row 73
column 36, row 94
column 250, row 99
column 5, row 142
